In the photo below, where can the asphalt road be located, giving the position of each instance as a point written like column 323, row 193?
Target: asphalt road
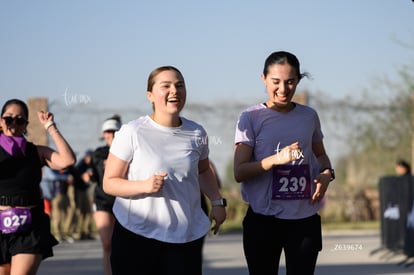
column 350, row 252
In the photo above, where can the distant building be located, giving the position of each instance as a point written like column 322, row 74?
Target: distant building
column 36, row 133
column 301, row 98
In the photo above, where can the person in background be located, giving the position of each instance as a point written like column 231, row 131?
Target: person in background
column 48, row 187
column 402, row 168
column 156, row 166
column 284, row 171
column 25, row 244
column 63, row 205
column 103, row 203
column 83, row 179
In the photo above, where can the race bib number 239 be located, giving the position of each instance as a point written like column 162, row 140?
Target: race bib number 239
column 291, row 182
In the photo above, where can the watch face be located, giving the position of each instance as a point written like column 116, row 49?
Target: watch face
column 219, row 202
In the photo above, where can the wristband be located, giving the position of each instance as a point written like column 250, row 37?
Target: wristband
column 330, row 170
column 48, row 124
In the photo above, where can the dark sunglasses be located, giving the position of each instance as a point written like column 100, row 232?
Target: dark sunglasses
column 18, row 120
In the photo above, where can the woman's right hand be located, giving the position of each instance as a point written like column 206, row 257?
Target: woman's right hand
column 288, row 154
column 155, row 182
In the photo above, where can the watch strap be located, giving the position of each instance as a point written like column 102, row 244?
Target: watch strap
column 219, row 202
column 332, row 171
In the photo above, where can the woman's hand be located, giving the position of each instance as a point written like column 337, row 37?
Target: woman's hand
column 322, row 183
column 218, row 215
column 288, row 154
column 45, row 117
column 155, row 182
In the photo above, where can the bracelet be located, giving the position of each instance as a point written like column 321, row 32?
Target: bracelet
column 56, row 130
column 48, row 124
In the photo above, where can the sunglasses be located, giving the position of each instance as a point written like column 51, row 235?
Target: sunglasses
column 18, row 120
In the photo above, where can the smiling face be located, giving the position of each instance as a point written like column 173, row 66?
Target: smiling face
column 14, row 120
column 168, row 96
column 281, row 82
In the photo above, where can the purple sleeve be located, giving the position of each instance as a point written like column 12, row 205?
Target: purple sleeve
column 244, row 130
column 317, row 135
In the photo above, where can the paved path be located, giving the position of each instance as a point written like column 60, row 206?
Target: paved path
column 351, row 252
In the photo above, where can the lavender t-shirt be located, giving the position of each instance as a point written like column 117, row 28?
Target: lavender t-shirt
column 267, row 132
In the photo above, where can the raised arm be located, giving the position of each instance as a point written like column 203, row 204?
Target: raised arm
column 63, row 156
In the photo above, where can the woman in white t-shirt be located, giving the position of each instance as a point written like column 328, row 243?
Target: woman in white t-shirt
column 281, row 162
column 156, row 167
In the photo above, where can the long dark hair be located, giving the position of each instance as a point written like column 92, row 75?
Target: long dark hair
column 16, row 101
column 19, row 102
column 282, row 57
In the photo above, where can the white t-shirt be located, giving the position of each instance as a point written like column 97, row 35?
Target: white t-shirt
column 174, row 213
column 267, row 132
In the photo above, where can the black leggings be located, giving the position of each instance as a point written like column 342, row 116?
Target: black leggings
column 264, row 237
column 135, row 254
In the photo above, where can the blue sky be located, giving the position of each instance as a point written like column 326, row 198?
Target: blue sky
column 100, row 52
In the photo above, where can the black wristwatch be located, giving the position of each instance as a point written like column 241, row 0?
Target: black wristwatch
column 330, row 170
column 219, row 202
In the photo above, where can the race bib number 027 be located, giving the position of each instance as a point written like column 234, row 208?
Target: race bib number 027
column 13, row 220
column 291, row 182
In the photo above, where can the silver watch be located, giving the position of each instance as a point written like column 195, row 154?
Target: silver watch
column 219, row 202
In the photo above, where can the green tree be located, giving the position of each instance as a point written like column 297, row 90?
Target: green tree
column 376, row 130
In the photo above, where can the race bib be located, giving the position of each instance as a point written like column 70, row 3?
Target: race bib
column 13, row 220
column 291, row 182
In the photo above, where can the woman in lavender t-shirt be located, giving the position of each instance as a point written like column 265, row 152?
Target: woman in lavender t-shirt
column 284, row 172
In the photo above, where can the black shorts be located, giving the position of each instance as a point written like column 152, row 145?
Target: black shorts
column 38, row 239
column 103, row 201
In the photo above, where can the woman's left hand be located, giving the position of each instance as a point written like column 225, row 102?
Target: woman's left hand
column 322, row 183
column 44, row 117
column 218, row 214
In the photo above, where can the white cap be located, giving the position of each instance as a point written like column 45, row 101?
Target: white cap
column 111, row 125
